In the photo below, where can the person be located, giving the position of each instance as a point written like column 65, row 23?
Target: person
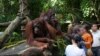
column 88, row 39
column 74, row 49
column 76, row 30
column 96, row 37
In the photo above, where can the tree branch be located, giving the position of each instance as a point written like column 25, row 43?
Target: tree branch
column 5, row 24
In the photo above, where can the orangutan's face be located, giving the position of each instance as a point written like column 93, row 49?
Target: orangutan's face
column 36, row 27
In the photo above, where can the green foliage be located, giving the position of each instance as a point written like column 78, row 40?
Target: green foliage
column 61, row 44
column 67, row 8
column 14, row 38
column 8, row 10
column 36, row 7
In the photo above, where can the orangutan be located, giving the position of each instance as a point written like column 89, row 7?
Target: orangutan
column 43, row 30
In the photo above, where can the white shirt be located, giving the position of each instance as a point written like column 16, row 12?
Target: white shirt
column 72, row 50
column 96, row 38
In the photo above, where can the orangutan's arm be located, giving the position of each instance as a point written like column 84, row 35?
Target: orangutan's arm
column 44, row 39
column 28, row 32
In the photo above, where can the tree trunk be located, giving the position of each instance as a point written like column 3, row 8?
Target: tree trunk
column 10, row 29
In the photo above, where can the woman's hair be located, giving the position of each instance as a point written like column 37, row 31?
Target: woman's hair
column 86, row 27
column 76, row 29
column 72, row 30
column 77, row 38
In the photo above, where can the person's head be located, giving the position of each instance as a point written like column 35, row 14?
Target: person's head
column 94, row 27
column 84, row 29
column 76, row 39
column 76, row 29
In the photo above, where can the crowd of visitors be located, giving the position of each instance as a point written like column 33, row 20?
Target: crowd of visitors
column 84, row 41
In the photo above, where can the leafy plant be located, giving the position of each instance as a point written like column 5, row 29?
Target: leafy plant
column 61, row 44
column 14, row 38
